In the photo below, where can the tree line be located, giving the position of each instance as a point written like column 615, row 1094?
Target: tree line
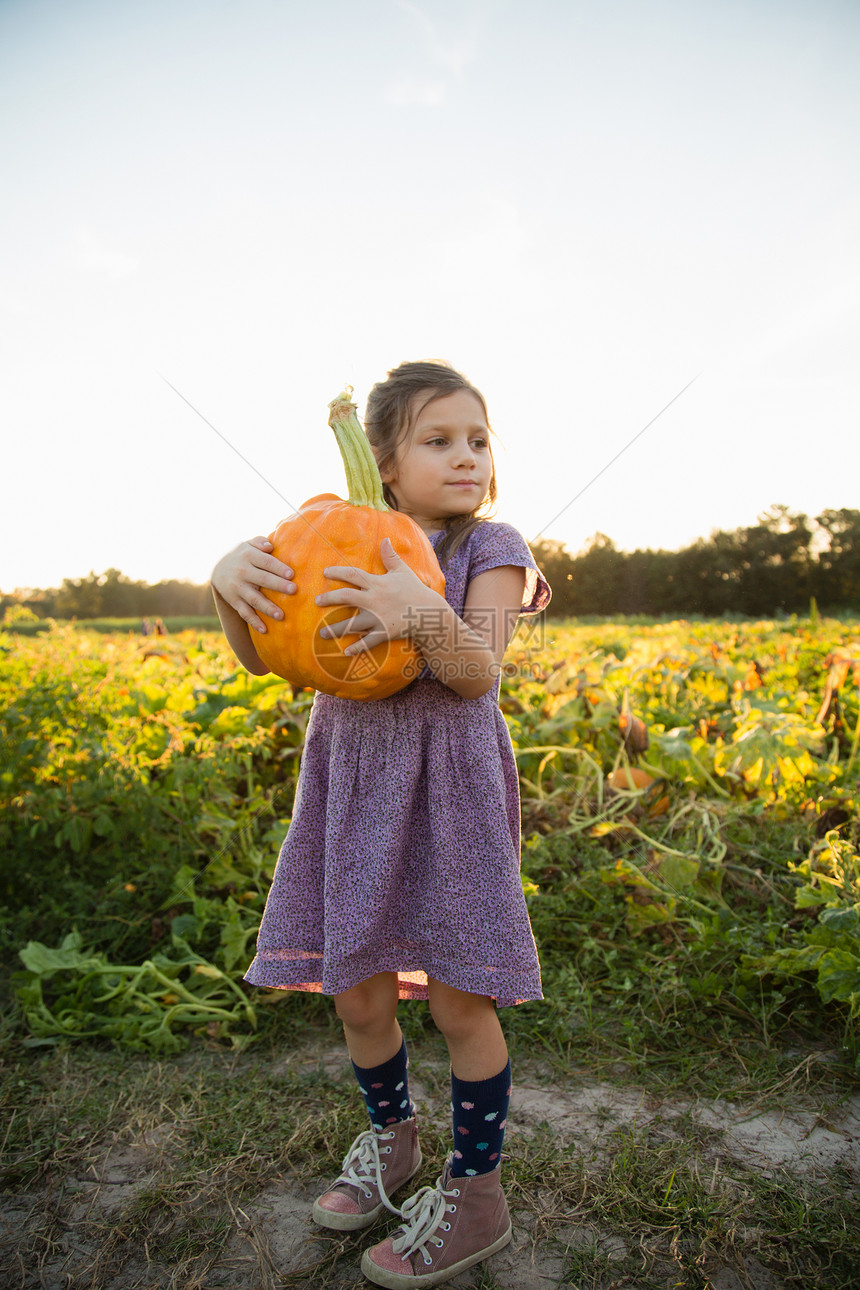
column 110, row 595
column 777, row 565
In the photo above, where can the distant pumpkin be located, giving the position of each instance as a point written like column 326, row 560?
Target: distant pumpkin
column 326, row 531
column 631, row 779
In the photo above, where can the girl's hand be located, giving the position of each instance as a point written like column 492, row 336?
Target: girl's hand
column 387, row 604
column 240, row 576
column 464, row 653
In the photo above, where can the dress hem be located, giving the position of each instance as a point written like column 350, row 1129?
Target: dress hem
column 408, row 987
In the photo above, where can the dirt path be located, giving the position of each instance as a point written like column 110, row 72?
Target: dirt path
column 273, row 1238
column 588, row 1118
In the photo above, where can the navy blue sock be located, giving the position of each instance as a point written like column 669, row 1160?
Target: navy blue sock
column 386, row 1089
column 480, row 1110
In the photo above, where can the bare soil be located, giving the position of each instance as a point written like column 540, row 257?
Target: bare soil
column 272, row 1242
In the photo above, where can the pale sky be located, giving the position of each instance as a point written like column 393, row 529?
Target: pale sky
column 582, row 206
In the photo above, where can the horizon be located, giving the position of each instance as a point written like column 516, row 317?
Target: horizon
column 574, row 555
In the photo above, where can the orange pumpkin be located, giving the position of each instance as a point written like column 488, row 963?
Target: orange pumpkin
column 629, row 777
column 327, row 531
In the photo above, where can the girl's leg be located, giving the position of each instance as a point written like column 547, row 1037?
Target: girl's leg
column 377, row 1048
column 387, row 1154
column 480, row 1076
column 469, row 1219
column 470, row 1024
column 369, row 1015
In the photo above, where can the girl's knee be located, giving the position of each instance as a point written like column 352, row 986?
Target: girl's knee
column 370, row 1005
column 456, row 1012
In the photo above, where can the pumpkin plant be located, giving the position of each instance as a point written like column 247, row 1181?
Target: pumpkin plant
column 328, row 530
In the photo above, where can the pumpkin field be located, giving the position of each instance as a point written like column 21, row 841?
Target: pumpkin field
column 690, row 859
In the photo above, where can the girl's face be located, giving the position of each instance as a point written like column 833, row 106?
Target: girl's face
column 444, row 465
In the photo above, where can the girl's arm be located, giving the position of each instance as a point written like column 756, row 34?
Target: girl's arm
column 237, row 585
column 465, row 653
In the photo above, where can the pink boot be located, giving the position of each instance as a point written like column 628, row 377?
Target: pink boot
column 359, row 1195
column 446, row 1229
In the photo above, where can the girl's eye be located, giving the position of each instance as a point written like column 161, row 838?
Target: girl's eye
column 439, row 441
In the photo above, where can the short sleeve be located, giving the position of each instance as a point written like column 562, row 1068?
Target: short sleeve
column 494, row 545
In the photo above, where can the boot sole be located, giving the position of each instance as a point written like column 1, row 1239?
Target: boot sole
column 337, row 1222
column 401, row 1281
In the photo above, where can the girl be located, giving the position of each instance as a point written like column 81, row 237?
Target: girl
column 399, row 877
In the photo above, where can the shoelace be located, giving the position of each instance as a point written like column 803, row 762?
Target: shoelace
column 422, row 1214
column 361, row 1165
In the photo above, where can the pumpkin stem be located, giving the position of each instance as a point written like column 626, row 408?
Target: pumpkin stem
column 363, row 480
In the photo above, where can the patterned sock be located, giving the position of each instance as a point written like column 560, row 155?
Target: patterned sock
column 386, row 1089
column 480, row 1114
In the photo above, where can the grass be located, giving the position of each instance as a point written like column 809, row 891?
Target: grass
column 134, row 1172
column 669, row 1212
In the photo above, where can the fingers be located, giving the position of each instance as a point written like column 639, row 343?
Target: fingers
column 276, row 574
column 348, row 573
column 258, row 604
column 250, row 601
column 243, row 577
column 248, row 592
column 252, row 563
column 250, row 605
column 253, row 570
column 275, row 582
column 367, row 642
column 360, row 582
column 351, row 596
column 254, row 622
column 359, row 622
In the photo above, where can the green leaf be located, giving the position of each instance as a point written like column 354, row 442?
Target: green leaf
column 808, row 897
column 184, row 928
column 673, row 745
column 839, row 978
column 679, row 871
column 104, row 826
column 44, row 961
column 846, row 919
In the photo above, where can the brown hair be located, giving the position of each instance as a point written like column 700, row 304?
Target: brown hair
column 391, row 409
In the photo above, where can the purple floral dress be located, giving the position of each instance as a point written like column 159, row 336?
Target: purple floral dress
column 403, row 850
